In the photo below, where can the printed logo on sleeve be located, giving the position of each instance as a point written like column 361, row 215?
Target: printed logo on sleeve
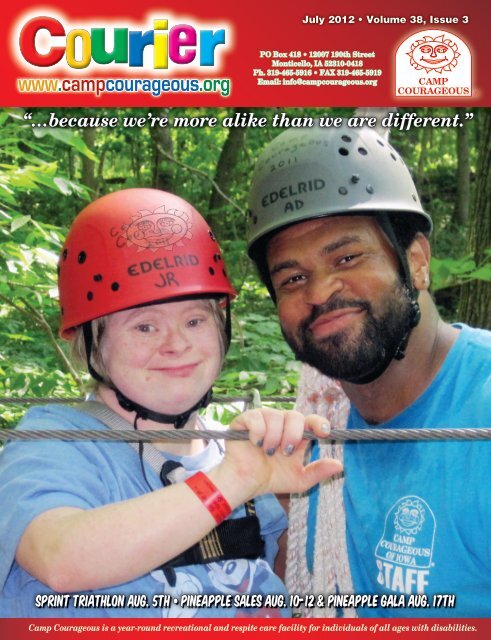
column 404, row 552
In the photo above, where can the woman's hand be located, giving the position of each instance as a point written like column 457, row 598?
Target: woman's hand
column 272, row 459
column 72, row 549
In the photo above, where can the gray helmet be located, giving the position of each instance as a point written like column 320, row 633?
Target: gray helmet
column 310, row 173
column 315, row 173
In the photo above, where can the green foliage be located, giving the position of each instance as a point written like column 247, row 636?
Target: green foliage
column 259, row 358
column 451, row 272
column 30, row 357
column 42, row 173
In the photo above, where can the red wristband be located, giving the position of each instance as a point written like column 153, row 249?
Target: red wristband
column 209, row 495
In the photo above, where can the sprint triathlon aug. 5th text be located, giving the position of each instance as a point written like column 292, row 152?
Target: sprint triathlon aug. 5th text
column 245, row 600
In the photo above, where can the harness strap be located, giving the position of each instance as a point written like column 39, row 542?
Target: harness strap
column 232, row 539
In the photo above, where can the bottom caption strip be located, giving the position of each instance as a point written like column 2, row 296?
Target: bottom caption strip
column 227, row 601
column 256, row 629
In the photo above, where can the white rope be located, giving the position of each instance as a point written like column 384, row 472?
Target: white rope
column 330, row 572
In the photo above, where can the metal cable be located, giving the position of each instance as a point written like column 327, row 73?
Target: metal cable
column 336, row 435
column 216, row 399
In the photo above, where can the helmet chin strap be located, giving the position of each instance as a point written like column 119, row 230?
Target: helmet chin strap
column 178, row 420
column 414, row 314
column 399, row 353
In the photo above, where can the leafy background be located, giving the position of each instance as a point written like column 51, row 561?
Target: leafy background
column 47, row 175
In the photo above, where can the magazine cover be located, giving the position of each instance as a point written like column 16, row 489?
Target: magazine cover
column 245, row 348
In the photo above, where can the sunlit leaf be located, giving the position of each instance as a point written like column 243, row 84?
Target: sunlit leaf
column 17, row 223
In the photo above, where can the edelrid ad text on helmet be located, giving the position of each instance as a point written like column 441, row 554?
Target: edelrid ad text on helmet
column 304, row 174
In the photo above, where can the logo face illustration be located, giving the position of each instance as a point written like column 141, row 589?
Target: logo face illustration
column 434, row 54
column 433, row 63
column 409, row 517
column 159, row 229
column 404, row 553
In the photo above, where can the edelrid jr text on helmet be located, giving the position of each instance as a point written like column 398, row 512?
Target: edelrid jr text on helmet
column 132, row 248
column 135, row 247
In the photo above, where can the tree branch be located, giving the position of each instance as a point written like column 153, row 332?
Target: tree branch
column 40, row 320
column 204, row 175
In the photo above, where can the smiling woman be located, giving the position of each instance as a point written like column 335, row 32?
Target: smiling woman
column 175, row 346
column 168, row 232
column 147, row 519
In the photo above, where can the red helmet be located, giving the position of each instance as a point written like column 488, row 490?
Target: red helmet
column 135, row 247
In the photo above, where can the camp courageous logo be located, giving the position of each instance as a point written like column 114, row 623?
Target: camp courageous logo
column 433, row 63
column 404, row 552
column 162, row 228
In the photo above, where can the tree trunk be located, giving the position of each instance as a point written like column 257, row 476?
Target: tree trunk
column 475, row 296
column 162, row 172
column 426, row 135
column 89, row 178
column 135, row 159
column 100, row 168
column 461, row 211
column 226, row 166
column 71, row 164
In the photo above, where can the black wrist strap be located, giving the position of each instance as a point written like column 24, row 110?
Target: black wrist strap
column 230, row 540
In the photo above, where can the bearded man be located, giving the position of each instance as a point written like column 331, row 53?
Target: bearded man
column 340, row 238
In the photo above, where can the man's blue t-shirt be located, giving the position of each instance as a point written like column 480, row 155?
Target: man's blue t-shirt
column 39, row 475
column 419, row 513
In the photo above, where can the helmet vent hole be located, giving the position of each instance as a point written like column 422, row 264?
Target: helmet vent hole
column 217, row 257
column 343, row 151
column 343, row 191
column 381, row 143
column 212, row 236
column 254, row 220
column 211, row 271
column 65, row 254
column 90, row 296
column 414, row 198
column 362, row 151
column 115, row 286
column 393, row 157
column 355, row 178
column 370, row 189
column 345, row 138
column 82, row 257
column 97, row 277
